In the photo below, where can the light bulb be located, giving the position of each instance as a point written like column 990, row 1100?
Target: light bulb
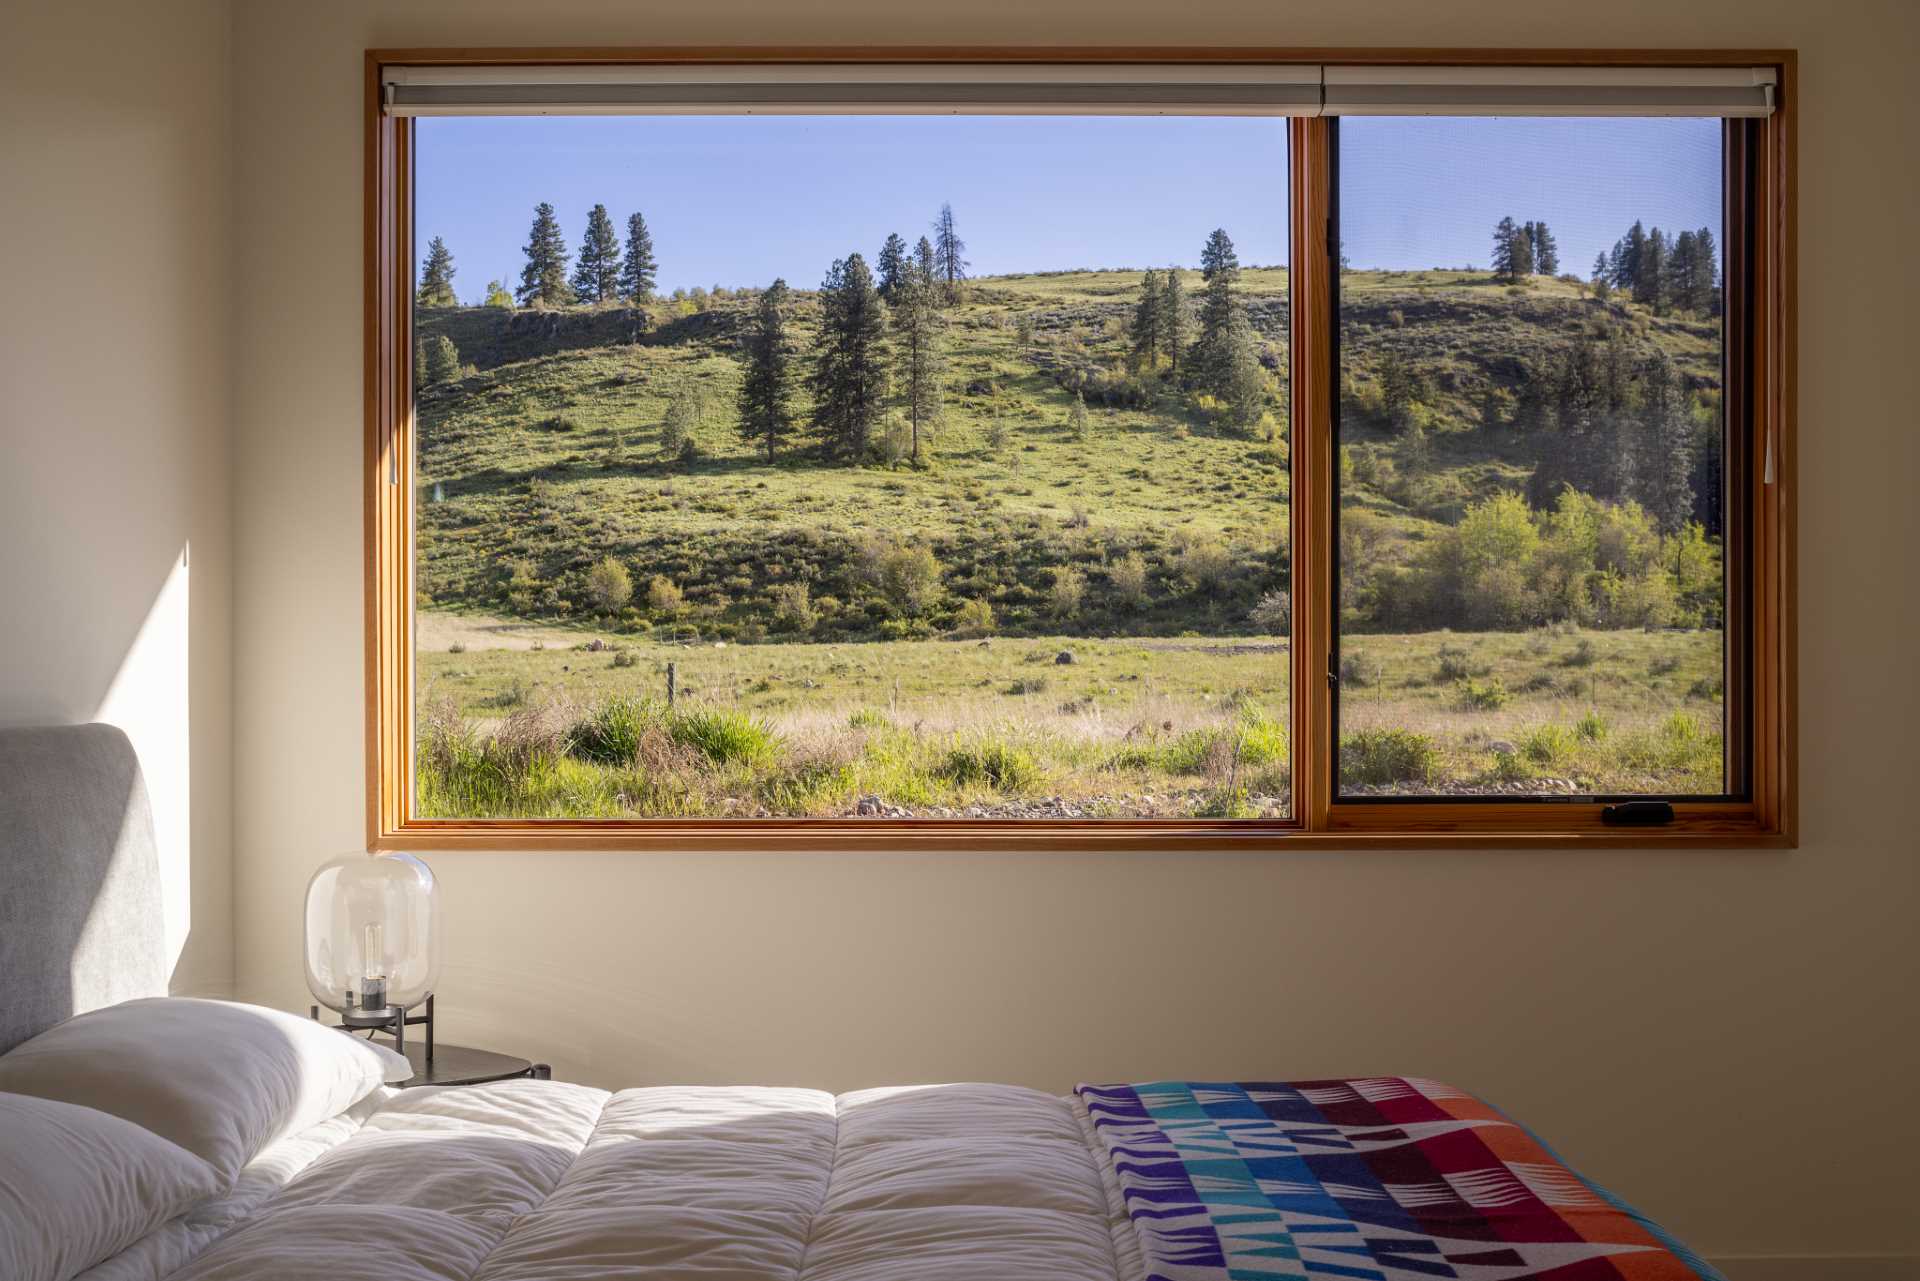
column 373, row 952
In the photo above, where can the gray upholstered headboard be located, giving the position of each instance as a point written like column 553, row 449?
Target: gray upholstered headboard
column 80, row 915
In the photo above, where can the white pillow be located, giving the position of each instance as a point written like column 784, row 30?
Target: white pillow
column 77, row 1186
column 220, row 1079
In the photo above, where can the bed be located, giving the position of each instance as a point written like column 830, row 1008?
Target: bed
column 288, row 1151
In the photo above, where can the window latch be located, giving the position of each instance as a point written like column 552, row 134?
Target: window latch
column 1637, row 814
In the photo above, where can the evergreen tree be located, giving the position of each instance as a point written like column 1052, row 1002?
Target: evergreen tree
column 850, row 359
column 1175, row 323
column 919, row 329
column 949, row 261
column 1400, row 391
column 1240, row 381
column 893, row 266
column 638, row 269
column 1708, row 254
column 766, row 413
column 1633, row 249
column 1546, row 251
column 1683, row 273
column 1219, row 307
column 924, row 260
column 597, row 277
column 1077, row 420
column 544, row 279
column 1653, row 287
column 1531, row 230
column 1217, row 257
column 1601, row 269
column 436, row 277
column 1146, row 321
column 443, row 361
column 1665, row 466
column 1506, row 264
column 684, row 413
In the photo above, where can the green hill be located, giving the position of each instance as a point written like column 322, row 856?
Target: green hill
column 546, row 457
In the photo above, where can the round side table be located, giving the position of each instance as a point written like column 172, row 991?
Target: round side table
column 463, row 1065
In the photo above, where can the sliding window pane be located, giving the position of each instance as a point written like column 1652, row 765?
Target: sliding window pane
column 927, row 466
column 1531, row 585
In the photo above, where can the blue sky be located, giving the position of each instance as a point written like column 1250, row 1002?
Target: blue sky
column 739, row 200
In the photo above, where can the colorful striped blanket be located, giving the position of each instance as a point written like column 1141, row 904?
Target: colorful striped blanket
column 1381, row 1178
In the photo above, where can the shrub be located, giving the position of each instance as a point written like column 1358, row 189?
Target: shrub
column 1129, row 578
column 625, row 658
column 663, row 597
column 723, row 735
column 1483, row 696
column 1064, row 596
column 1274, row 614
column 612, row 732
column 1028, row 685
column 458, row 647
column 1590, row 728
column 973, row 618
column 676, row 430
column 1205, row 564
column 793, row 607
column 1549, row 745
column 867, row 718
column 443, row 361
column 1581, row 655
column 909, row 577
column 609, row 586
column 1006, row 769
column 1375, row 757
column 1454, row 663
column 1360, row 670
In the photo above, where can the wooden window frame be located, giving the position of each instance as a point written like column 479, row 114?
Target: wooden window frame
column 1762, row 579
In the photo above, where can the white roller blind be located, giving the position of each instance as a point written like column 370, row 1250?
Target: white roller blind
column 1549, row 91
column 874, row 89
column 1078, row 89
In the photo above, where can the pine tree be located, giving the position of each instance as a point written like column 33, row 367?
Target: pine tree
column 1709, row 257
column 893, row 266
column 1217, row 257
column 1175, row 323
column 1522, row 255
column 850, row 359
column 436, row 277
column 1684, row 274
column 924, row 261
column 1506, row 265
column 443, row 361
column 1146, row 321
column 1077, row 420
column 1632, row 251
column 919, row 329
column 1531, row 230
column 1666, row 435
column 1546, row 251
column 766, row 413
column 1653, row 274
column 637, row 270
column 1219, row 308
column 1240, row 381
column 544, row 278
column 949, row 261
column 1601, row 271
column 597, row 277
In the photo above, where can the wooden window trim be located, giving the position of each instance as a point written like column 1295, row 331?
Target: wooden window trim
column 1765, row 818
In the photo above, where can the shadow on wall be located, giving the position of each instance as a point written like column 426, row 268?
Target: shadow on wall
column 80, row 890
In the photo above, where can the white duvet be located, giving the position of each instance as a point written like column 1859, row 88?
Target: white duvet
column 541, row 1181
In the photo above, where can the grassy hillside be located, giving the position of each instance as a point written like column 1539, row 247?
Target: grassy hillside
column 546, row 457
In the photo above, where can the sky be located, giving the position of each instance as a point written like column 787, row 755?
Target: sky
column 739, row 200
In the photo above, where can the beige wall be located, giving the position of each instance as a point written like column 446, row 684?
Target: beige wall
column 1729, row 1038
column 115, row 557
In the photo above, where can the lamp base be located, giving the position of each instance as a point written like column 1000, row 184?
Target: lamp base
column 392, row 1020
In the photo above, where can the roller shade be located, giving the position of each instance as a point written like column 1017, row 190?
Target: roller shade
column 1549, row 91
column 855, row 89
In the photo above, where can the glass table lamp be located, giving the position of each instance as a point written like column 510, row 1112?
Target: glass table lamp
column 373, row 941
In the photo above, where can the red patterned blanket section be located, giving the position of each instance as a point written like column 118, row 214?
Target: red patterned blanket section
column 1377, row 1179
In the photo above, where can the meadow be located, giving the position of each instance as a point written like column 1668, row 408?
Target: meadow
column 1050, row 615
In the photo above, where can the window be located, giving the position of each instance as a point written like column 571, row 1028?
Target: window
column 1076, row 454
column 1532, row 457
